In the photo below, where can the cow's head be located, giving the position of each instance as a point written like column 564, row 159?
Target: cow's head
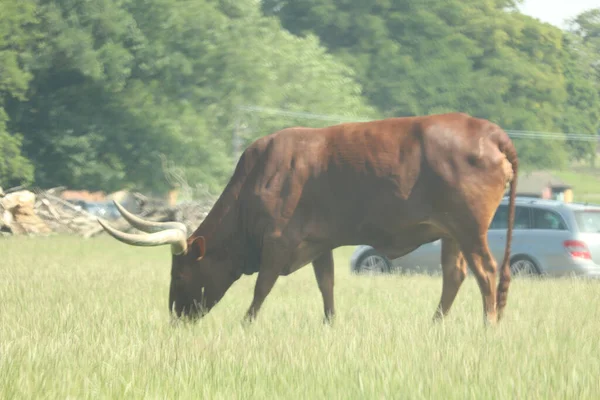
column 198, row 279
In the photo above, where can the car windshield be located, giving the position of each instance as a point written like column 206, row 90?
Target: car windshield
column 588, row 221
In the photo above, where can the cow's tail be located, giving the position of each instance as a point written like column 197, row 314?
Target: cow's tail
column 510, row 152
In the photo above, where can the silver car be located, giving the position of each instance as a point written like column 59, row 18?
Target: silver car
column 550, row 238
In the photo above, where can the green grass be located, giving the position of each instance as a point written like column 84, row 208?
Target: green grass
column 88, row 319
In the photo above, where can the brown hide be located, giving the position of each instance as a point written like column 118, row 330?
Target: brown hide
column 394, row 184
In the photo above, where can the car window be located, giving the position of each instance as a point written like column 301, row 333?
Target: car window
column 522, row 218
column 588, row 221
column 500, row 220
column 546, row 219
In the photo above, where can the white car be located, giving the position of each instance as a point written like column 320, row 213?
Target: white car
column 549, row 238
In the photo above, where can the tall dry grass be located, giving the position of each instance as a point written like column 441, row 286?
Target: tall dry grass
column 88, row 319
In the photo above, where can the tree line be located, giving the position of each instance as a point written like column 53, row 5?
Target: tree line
column 98, row 95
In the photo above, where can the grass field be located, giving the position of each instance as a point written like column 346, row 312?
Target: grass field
column 585, row 182
column 88, row 319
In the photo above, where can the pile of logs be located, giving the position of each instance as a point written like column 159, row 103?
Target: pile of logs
column 25, row 212
column 18, row 215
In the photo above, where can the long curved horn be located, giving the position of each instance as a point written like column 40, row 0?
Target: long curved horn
column 175, row 237
column 145, row 225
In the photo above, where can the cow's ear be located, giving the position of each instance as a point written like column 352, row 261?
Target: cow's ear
column 198, row 248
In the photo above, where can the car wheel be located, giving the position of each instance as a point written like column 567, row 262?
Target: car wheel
column 372, row 262
column 523, row 266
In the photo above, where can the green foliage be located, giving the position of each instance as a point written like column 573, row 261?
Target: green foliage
column 17, row 17
column 98, row 94
column 14, row 168
column 586, row 27
column 117, row 84
column 582, row 71
column 581, row 113
column 16, row 20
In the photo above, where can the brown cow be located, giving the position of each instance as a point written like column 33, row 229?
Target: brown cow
column 299, row 193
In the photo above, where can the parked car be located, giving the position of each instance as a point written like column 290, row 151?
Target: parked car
column 103, row 209
column 550, row 237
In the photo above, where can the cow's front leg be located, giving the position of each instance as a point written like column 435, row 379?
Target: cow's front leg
column 271, row 264
column 264, row 283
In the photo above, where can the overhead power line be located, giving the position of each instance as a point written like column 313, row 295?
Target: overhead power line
column 339, row 119
column 323, row 117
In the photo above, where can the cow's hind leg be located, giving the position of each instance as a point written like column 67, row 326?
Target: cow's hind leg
column 323, row 267
column 483, row 265
column 454, row 269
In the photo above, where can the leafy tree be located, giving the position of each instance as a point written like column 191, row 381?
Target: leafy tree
column 116, row 86
column 14, row 168
column 17, row 19
column 582, row 73
column 247, row 59
column 478, row 56
column 581, row 113
column 586, row 28
column 98, row 94
column 73, row 118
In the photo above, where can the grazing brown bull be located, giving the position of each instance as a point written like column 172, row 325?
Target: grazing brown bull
column 299, row 193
